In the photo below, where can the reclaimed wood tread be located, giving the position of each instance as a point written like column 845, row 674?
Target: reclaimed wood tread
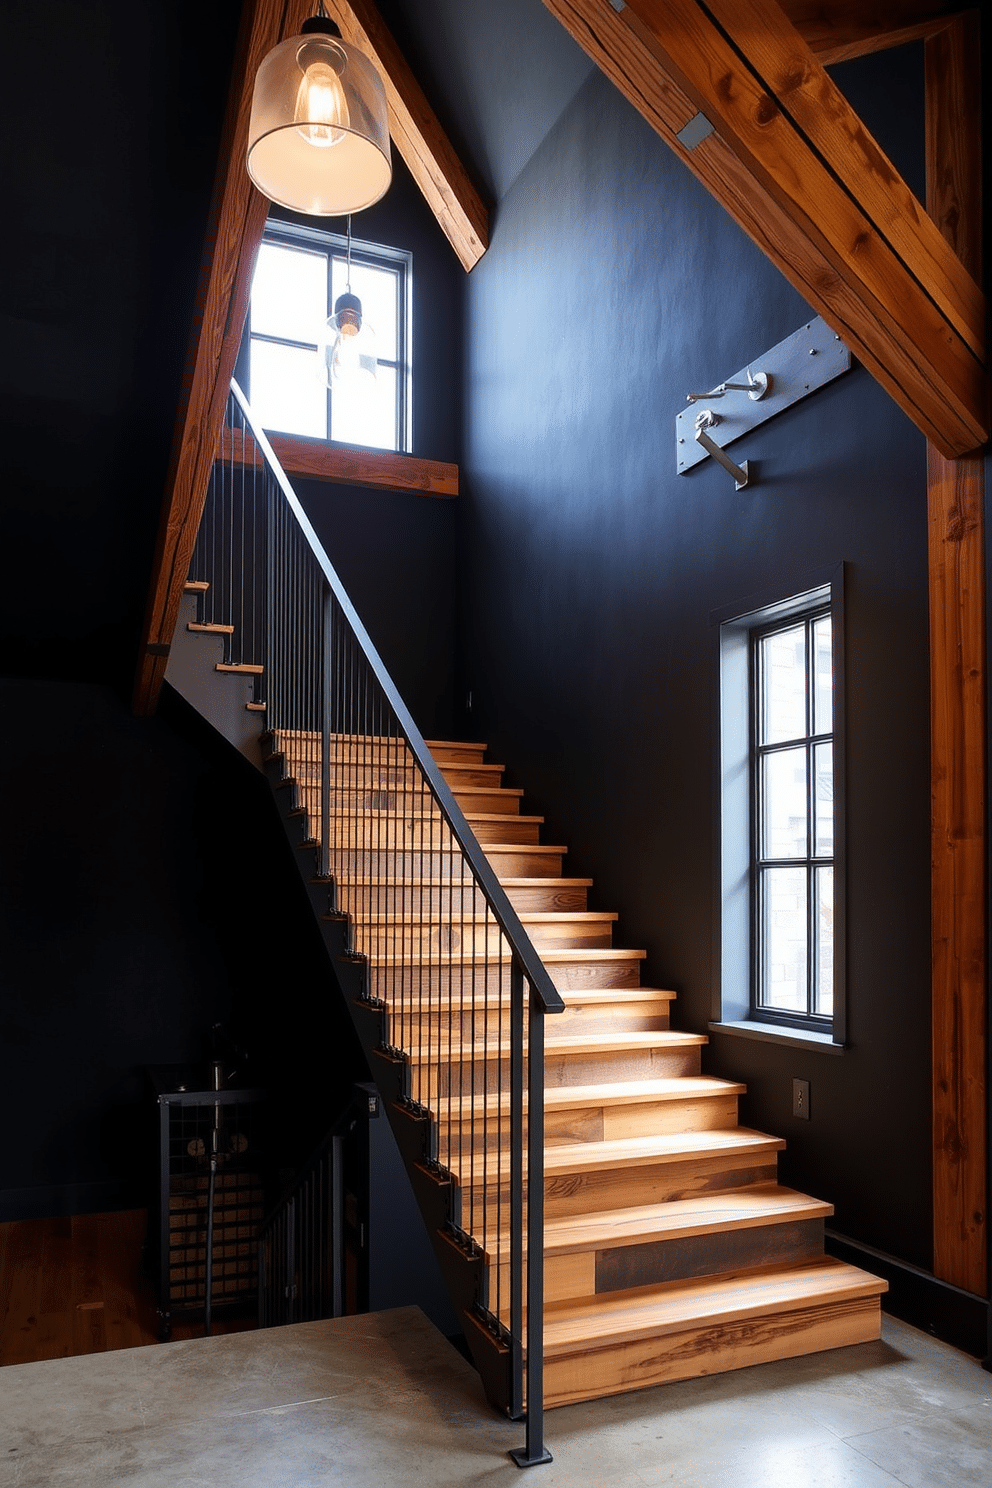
column 210, row 629
column 241, row 668
column 671, row 1307
column 706, row 1214
column 623, row 1152
column 636, row 1092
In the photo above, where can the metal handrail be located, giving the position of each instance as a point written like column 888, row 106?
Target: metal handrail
column 542, row 987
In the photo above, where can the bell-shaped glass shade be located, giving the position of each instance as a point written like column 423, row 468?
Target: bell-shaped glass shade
column 318, row 137
column 347, row 346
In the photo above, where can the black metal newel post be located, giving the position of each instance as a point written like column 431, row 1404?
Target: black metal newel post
column 326, row 683
column 534, row 1451
column 517, row 1013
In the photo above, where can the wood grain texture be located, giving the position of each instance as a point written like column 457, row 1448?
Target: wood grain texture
column 429, row 154
column 956, row 506
column 800, row 86
column 839, row 30
column 760, row 168
column 316, row 459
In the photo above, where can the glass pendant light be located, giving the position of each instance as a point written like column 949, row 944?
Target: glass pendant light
column 347, row 346
column 318, row 137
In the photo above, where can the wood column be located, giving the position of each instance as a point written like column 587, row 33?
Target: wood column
column 956, row 513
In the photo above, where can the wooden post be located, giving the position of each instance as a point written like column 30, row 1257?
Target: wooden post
column 956, row 507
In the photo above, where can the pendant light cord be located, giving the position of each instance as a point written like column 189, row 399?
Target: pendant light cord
column 348, row 282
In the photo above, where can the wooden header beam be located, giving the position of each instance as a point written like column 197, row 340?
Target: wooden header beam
column 234, row 231
column 316, row 459
column 793, row 165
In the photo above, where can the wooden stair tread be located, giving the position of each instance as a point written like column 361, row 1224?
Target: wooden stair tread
column 738, row 1209
column 633, row 1092
column 439, row 920
column 433, row 1001
column 433, row 744
column 256, row 707
column 486, row 790
column 546, row 883
column 241, row 668
column 675, row 1219
column 195, row 586
column 502, row 817
column 647, row 1312
column 347, row 880
column 210, row 629
column 578, row 1157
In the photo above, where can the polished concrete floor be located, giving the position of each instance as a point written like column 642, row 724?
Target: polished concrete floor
column 383, row 1400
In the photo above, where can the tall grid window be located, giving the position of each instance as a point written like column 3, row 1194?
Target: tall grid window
column 793, row 818
column 299, row 274
column 779, row 962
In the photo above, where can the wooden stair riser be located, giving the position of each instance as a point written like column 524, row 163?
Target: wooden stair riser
column 425, row 1021
column 478, row 776
column 596, row 1273
column 392, row 936
column 655, row 1182
column 437, row 900
column 378, row 862
column 565, row 896
column 435, row 1079
column 707, row 1349
column 609, row 1123
column 398, row 773
column 413, row 799
column 652, row 1181
column 447, row 975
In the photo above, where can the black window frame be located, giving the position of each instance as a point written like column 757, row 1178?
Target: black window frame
column 333, row 247
column 737, row 1005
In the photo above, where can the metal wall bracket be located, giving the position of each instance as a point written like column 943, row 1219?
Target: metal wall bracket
column 790, row 371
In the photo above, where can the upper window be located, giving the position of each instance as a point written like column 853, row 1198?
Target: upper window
column 781, row 908
column 299, row 275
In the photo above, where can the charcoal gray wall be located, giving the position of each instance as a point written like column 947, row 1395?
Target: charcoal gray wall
column 614, row 286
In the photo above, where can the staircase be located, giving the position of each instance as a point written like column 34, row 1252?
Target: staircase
column 670, row 1248
column 507, row 1034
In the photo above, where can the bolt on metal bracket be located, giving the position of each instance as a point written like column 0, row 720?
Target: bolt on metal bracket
column 805, row 361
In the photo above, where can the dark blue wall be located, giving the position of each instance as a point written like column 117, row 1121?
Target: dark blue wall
column 613, row 286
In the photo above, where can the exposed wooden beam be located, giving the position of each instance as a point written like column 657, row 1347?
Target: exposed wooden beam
column 956, row 507
column 315, row 459
column 839, row 30
column 235, row 227
column 417, row 134
column 672, row 60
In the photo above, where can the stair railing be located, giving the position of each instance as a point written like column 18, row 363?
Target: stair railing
column 463, row 990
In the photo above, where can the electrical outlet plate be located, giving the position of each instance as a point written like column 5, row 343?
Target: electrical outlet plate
column 800, row 1099
column 796, row 367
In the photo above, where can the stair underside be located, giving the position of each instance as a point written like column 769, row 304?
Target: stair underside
column 670, row 1248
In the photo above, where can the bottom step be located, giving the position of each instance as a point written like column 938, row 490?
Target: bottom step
column 654, row 1335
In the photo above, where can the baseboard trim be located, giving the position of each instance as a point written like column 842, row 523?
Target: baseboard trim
column 950, row 1314
column 52, row 1201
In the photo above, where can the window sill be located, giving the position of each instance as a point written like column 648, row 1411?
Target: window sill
column 774, row 1033
column 319, row 459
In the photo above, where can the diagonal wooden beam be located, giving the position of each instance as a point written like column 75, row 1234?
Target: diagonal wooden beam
column 839, row 30
column 429, row 154
column 672, row 60
column 234, row 231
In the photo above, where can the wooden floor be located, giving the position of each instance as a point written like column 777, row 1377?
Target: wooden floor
column 77, row 1286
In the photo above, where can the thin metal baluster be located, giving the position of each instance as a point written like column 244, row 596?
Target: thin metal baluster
column 327, row 640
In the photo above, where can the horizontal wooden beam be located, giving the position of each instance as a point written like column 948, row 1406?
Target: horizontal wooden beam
column 316, row 459
column 840, row 30
column 429, row 154
column 672, row 61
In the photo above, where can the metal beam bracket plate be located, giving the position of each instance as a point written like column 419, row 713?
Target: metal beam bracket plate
column 796, row 367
